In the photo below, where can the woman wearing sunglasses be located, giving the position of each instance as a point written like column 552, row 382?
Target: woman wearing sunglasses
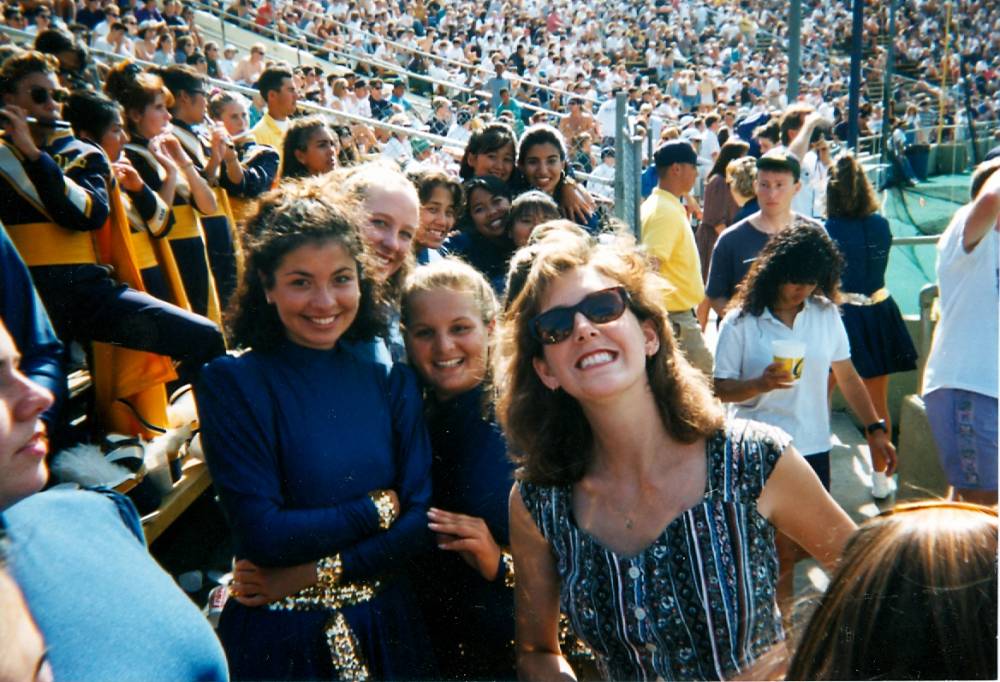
column 638, row 509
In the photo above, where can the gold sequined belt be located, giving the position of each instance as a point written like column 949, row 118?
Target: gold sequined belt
column 860, row 299
column 321, row 596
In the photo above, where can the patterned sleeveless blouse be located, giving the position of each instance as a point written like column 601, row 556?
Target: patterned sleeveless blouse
column 699, row 602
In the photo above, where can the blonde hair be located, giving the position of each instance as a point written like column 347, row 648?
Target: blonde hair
column 741, row 174
column 915, row 594
column 452, row 274
column 357, row 182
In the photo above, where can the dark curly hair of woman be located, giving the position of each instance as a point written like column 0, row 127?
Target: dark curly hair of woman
column 297, row 214
column 798, row 255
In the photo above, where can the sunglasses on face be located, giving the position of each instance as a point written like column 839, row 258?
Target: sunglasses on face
column 40, row 95
column 556, row 325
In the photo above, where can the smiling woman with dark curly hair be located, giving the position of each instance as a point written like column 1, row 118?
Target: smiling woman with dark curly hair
column 788, row 300
column 320, row 459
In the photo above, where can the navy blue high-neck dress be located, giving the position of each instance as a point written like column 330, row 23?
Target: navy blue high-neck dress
column 295, row 440
column 470, row 620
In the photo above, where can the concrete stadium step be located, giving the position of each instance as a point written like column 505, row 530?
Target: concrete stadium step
column 850, row 484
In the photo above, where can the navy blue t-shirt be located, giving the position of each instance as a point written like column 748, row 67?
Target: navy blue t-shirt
column 734, row 254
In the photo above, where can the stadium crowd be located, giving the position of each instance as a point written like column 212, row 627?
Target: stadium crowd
column 462, row 424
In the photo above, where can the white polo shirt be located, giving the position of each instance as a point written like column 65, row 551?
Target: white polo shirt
column 744, row 351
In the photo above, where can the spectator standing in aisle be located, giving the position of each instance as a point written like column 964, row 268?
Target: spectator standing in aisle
column 737, row 247
column 667, row 234
column 960, row 380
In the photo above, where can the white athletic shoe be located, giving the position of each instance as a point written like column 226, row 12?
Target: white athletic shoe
column 881, row 487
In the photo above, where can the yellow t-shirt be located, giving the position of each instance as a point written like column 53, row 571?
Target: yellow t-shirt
column 667, row 235
column 270, row 132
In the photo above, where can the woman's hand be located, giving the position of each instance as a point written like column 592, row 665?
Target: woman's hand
column 775, row 376
column 576, row 202
column 127, row 176
column 470, row 537
column 172, row 148
column 254, row 585
column 15, row 124
column 162, row 157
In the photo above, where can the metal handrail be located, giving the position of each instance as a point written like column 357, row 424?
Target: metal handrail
column 311, row 50
column 441, row 58
column 918, row 240
column 236, row 87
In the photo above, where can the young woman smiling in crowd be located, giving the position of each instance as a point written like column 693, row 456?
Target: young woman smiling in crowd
column 493, row 151
column 392, row 217
column 440, row 201
column 483, row 241
column 542, row 160
column 326, row 484
column 448, row 313
column 625, row 462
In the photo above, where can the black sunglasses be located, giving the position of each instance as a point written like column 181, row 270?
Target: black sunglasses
column 556, row 325
column 40, row 95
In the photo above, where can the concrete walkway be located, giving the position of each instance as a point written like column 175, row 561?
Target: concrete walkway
column 850, row 482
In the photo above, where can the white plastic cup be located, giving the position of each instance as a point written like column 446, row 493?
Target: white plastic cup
column 790, row 354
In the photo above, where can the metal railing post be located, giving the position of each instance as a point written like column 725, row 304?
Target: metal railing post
column 928, row 293
column 635, row 196
column 621, row 164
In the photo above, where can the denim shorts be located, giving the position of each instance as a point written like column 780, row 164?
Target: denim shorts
column 964, row 425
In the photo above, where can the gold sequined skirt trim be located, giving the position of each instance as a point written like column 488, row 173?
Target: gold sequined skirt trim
column 344, row 649
column 345, row 652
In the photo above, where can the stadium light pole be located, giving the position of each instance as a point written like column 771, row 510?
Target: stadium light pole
column 854, row 90
column 794, row 49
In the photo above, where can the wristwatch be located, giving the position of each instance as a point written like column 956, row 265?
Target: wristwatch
column 876, row 426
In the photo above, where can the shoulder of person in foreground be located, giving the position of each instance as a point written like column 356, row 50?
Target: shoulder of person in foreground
column 98, row 596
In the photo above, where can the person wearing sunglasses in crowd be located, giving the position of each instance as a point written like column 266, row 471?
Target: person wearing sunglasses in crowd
column 212, row 152
column 165, row 166
column 50, row 216
column 637, row 507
